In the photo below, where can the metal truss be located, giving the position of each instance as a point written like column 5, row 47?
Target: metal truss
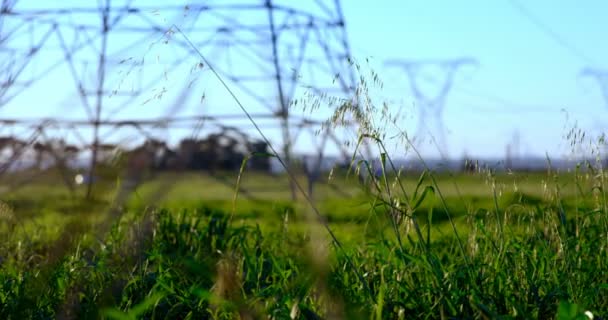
column 130, row 69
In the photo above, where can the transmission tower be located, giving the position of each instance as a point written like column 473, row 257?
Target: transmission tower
column 431, row 106
column 111, row 56
column 601, row 76
column 513, row 151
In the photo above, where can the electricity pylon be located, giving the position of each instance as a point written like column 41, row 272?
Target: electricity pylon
column 431, row 106
column 266, row 50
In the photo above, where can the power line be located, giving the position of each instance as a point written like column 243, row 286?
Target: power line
column 508, row 105
column 512, row 106
column 550, row 32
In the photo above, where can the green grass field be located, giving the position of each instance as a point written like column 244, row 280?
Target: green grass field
column 476, row 246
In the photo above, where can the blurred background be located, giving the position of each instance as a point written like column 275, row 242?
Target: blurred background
column 509, row 83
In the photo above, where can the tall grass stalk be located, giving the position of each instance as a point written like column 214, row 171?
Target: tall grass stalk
column 287, row 169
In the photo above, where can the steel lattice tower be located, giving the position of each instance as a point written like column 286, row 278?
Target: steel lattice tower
column 110, row 55
column 601, row 76
column 431, row 106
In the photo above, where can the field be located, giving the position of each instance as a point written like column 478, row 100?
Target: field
column 483, row 245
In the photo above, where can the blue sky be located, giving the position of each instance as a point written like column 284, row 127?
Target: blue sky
column 525, row 77
column 527, row 83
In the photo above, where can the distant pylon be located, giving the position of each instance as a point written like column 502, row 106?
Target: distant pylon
column 601, row 76
column 512, row 151
column 431, row 106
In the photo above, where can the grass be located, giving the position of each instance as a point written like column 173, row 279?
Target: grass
column 185, row 258
column 401, row 245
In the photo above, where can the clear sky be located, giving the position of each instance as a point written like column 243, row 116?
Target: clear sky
column 526, row 75
column 527, row 86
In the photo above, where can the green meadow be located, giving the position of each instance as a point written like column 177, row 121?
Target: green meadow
column 189, row 245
